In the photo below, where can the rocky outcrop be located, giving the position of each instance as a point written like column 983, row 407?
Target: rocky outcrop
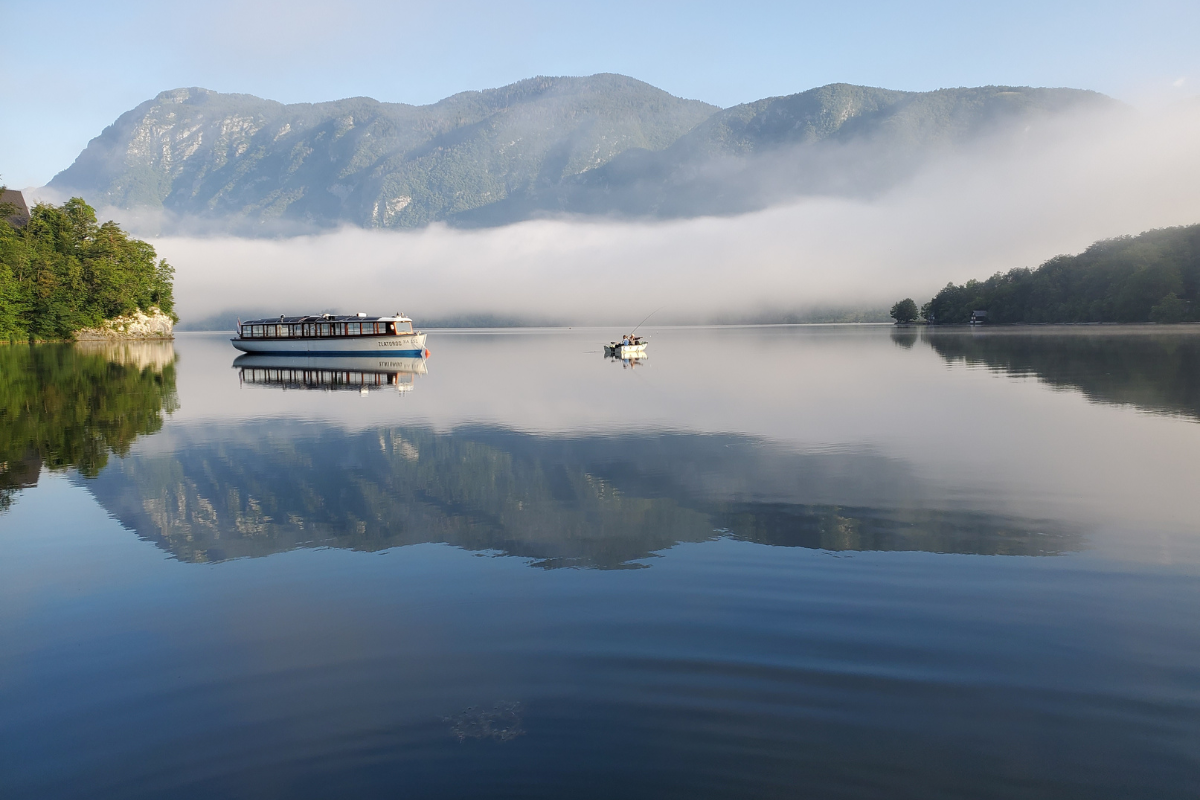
column 138, row 325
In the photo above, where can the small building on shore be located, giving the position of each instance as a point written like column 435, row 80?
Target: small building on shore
column 12, row 197
column 978, row 317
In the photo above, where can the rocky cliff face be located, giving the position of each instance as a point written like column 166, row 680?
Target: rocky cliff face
column 155, row 325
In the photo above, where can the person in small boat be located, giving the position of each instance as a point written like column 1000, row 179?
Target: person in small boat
column 624, row 341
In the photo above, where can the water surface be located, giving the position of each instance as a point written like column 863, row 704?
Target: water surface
column 828, row 561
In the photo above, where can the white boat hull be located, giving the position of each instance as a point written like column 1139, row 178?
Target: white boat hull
column 408, row 345
column 627, row 351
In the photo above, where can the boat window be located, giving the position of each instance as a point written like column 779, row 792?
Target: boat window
column 403, row 327
column 283, row 331
column 380, row 328
column 324, row 329
column 339, row 329
column 258, row 330
column 270, row 331
column 352, row 328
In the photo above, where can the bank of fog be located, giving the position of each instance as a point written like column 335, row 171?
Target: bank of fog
column 967, row 215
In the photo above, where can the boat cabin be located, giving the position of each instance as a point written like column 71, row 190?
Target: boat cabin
column 325, row 326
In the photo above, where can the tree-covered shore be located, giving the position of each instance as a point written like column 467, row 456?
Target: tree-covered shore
column 1152, row 277
column 62, row 271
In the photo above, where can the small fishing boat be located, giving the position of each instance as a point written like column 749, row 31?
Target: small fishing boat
column 631, row 348
column 331, row 335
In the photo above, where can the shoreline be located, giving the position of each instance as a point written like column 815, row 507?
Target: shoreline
column 115, row 339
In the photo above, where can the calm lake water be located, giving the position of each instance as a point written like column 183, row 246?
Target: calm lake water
column 828, row 562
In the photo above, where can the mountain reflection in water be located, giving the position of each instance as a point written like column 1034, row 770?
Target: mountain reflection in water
column 595, row 501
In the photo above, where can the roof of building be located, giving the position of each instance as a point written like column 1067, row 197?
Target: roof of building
column 21, row 218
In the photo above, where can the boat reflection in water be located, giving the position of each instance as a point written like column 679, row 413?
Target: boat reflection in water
column 330, row 373
column 628, row 359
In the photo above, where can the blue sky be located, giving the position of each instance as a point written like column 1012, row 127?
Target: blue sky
column 74, row 67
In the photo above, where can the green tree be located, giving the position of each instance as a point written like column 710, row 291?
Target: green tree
column 63, row 271
column 905, row 311
column 1171, row 309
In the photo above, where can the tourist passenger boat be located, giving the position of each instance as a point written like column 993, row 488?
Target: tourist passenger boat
column 330, row 373
column 331, row 335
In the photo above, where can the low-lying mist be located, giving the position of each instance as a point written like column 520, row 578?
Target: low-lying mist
column 974, row 211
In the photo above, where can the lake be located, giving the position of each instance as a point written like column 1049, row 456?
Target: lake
column 817, row 561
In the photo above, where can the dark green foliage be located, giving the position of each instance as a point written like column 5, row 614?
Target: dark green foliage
column 63, row 271
column 1153, row 277
column 904, row 311
column 65, row 407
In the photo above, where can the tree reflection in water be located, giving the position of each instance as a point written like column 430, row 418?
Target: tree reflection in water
column 65, row 406
column 1154, row 368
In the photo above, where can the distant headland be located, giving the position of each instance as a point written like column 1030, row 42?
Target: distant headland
column 1151, row 277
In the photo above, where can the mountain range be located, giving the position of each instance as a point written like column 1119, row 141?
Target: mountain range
column 604, row 144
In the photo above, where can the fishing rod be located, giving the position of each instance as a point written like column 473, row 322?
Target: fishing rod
column 648, row 316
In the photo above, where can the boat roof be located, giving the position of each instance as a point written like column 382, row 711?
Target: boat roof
column 286, row 320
